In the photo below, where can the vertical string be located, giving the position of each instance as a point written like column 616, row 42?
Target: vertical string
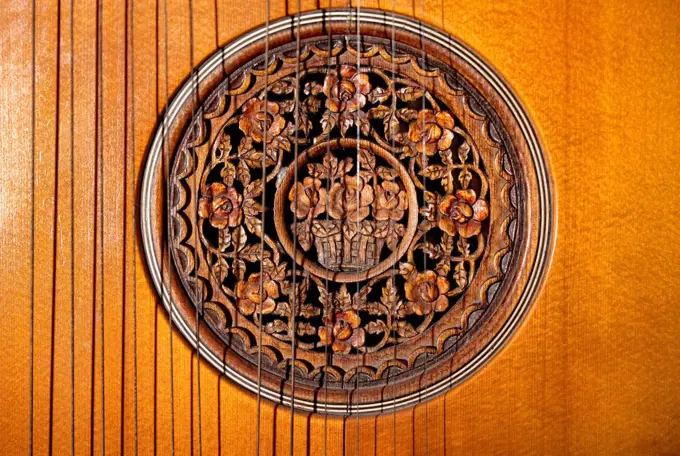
column 262, row 221
column 293, row 309
column 166, row 172
column 32, row 280
column 423, row 166
column 134, row 224
column 100, row 184
column 72, row 217
column 395, row 310
column 195, row 119
column 329, row 311
column 358, row 197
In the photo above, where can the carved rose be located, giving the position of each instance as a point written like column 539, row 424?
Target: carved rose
column 249, row 297
column 221, row 205
column 350, row 199
column 252, row 121
column 431, row 131
column 311, row 198
column 462, row 213
column 390, row 201
column 346, row 332
column 346, row 92
column 426, row 292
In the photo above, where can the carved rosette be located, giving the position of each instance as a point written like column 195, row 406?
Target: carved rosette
column 389, row 220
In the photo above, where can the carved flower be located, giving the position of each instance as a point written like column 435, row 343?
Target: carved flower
column 311, row 198
column 346, row 332
column 426, row 292
column 462, row 213
column 252, row 121
column 346, row 92
column 221, row 205
column 431, row 131
column 249, row 297
column 390, row 202
column 350, row 199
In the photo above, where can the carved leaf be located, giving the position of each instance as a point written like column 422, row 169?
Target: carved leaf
column 376, row 327
column 308, row 311
column 253, row 189
column 463, row 152
column 460, row 275
column 243, row 172
column 465, row 177
column 254, row 225
column 228, row 173
column 433, row 172
column 379, row 112
column 221, row 269
column 276, row 327
column 240, row 238
column 239, row 268
column 405, row 329
column 410, row 93
column 343, row 298
column 378, row 95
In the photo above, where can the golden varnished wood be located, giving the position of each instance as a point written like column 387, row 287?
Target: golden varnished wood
column 593, row 370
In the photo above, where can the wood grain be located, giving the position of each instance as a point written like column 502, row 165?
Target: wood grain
column 594, row 368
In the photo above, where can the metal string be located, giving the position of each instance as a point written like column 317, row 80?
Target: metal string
column 134, row 244
column 423, row 165
column 329, row 310
column 358, row 196
column 100, row 184
column 294, row 290
column 73, row 258
column 197, row 285
column 166, row 160
column 32, row 280
column 394, row 317
column 264, row 203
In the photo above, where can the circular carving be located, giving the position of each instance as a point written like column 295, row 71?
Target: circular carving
column 389, row 220
column 349, row 247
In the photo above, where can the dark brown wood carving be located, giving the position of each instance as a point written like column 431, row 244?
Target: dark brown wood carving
column 394, row 220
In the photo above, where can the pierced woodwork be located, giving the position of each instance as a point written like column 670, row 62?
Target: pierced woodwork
column 398, row 234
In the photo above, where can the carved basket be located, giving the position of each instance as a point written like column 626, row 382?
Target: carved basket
column 342, row 249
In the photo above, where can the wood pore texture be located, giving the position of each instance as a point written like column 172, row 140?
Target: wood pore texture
column 593, row 369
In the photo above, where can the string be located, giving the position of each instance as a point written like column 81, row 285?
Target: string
column 264, row 202
column 394, row 317
column 32, row 280
column 423, row 166
column 358, row 197
column 134, row 244
column 73, row 258
column 197, row 285
column 55, row 223
column 329, row 302
column 295, row 200
column 99, row 180
column 166, row 159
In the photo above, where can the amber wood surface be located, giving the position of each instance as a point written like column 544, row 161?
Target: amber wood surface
column 593, row 370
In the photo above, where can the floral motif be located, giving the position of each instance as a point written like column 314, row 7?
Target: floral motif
column 391, row 202
column 462, row 213
column 252, row 121
column 249, row 296
column 350, row 199
column 346, row 92
column 311, row 198
column 426, row 292
column 431, row 131
column 346, row 331
column 221, row 205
